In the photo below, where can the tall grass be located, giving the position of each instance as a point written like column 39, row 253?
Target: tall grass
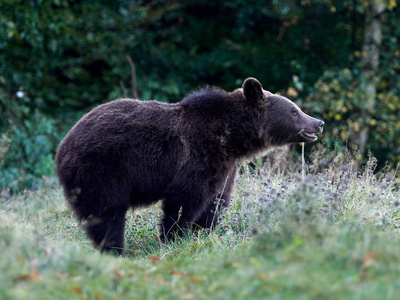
column 331, row 234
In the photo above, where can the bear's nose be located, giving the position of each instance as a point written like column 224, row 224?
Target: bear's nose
column 321, row 124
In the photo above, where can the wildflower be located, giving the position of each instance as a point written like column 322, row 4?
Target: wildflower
column 246, row 193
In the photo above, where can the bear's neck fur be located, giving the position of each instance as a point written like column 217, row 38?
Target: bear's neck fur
column 225, row 119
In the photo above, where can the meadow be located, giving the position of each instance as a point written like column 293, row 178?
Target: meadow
column 332, row 233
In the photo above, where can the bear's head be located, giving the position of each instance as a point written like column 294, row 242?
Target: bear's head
column 281, row 121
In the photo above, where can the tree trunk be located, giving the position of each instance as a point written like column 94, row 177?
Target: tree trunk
column 369, row 67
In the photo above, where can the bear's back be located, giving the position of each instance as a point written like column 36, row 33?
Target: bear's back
column 116, row 121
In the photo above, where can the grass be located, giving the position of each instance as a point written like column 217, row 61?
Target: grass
column 329, row 235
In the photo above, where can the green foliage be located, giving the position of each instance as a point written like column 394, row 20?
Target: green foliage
column 60, row 52
column 28, row 152
column 67, row 54
column 338, row 96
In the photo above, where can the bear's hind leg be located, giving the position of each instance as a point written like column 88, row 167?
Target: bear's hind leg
column 107, row 230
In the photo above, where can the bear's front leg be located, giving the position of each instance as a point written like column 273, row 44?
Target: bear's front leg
column 177, row 220
column 209, row 218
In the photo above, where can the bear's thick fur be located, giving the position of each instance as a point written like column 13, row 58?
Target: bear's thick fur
column 129, row 153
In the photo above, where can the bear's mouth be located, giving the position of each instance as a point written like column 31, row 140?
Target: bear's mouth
column 309, row 137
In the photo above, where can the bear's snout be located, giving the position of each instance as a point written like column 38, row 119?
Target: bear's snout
column 321, row 124
column 312, row 127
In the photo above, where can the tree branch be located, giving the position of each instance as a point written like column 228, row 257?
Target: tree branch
column 134, row 93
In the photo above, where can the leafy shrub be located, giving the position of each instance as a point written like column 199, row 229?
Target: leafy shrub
column 26, row 153
column 339, row 97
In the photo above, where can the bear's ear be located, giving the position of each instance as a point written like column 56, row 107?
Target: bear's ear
column 252, row 89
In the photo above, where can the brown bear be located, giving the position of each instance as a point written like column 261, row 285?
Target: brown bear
column 130, row 153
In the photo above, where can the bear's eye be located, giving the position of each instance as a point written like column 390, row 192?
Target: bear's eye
column 294, row 112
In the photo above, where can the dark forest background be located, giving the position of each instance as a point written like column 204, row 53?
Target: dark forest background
column 338, row 60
